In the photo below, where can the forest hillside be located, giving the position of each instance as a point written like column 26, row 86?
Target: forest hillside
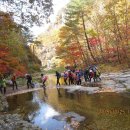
column 15, row 55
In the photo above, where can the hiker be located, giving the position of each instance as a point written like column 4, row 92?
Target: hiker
column 58, row 75
column 94, row 68
column 44, row 79
column 81, row 72
column 86, row 74
column 65, row 78
column 91, row 74
column 13, row 79
column 1, row 85
column 4, row 85
column 29, row 80
column 79, row 78
column 74, row 78
column 70, row 76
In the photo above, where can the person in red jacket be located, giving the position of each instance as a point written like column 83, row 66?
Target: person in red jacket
column 44, row 79
column 13, row 79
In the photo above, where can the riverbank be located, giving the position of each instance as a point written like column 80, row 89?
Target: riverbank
column 12, row 121
column 111, row 82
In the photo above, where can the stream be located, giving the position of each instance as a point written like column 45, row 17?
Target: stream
column 53, row 109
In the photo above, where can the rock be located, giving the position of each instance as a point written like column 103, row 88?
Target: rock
column 75, row 116
column 90, row 90
column 15, row 122
column 59, row 117
column 119, row 90
column 70, row 115
column 12, row 121
column 119, row 86
column 73, row 88
column 108, row 83
column 127, row 84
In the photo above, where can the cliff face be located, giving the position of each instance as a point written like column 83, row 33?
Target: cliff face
column 46, row 49
column 46, row 53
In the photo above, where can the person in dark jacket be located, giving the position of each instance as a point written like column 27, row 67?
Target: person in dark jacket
column 29, row 80
column 58, row 75
column 1, row 85
column 79, row 78
column 86, row 74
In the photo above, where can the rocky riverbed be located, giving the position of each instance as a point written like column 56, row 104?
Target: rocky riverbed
column 12, row 121
column 111, row 82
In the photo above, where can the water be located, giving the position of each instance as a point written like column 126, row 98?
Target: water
column 104, row 111
column 63, row 110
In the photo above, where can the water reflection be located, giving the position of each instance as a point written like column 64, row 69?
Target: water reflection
column 102, row 111
column 59, row 93
column 44, row 116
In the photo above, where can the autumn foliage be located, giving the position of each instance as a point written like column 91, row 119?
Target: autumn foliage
column 14, row 55
column 10, row 64
column 96, row 32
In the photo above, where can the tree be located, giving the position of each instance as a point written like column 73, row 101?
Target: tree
column 75, row 18
column 69, row 37
column 100, row 29
column 117, row 20
column 14, row 54
column 28, row 12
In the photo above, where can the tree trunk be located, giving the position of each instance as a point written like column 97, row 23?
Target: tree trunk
column 100, row 45
column 86, row 37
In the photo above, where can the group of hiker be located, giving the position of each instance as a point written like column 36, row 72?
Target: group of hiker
column 13, row 82
column 70, row 76
column 76, row 76
column 3, row 83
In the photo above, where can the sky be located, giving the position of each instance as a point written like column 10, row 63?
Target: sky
column 57, row 5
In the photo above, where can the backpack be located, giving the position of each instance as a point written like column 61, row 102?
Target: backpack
column 13, row 78
column 44, row 78
column 29, row 77
column 59, row 75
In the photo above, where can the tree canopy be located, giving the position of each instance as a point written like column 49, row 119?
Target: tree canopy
column 28, row 12
column 99, row 30
column 15, row 56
